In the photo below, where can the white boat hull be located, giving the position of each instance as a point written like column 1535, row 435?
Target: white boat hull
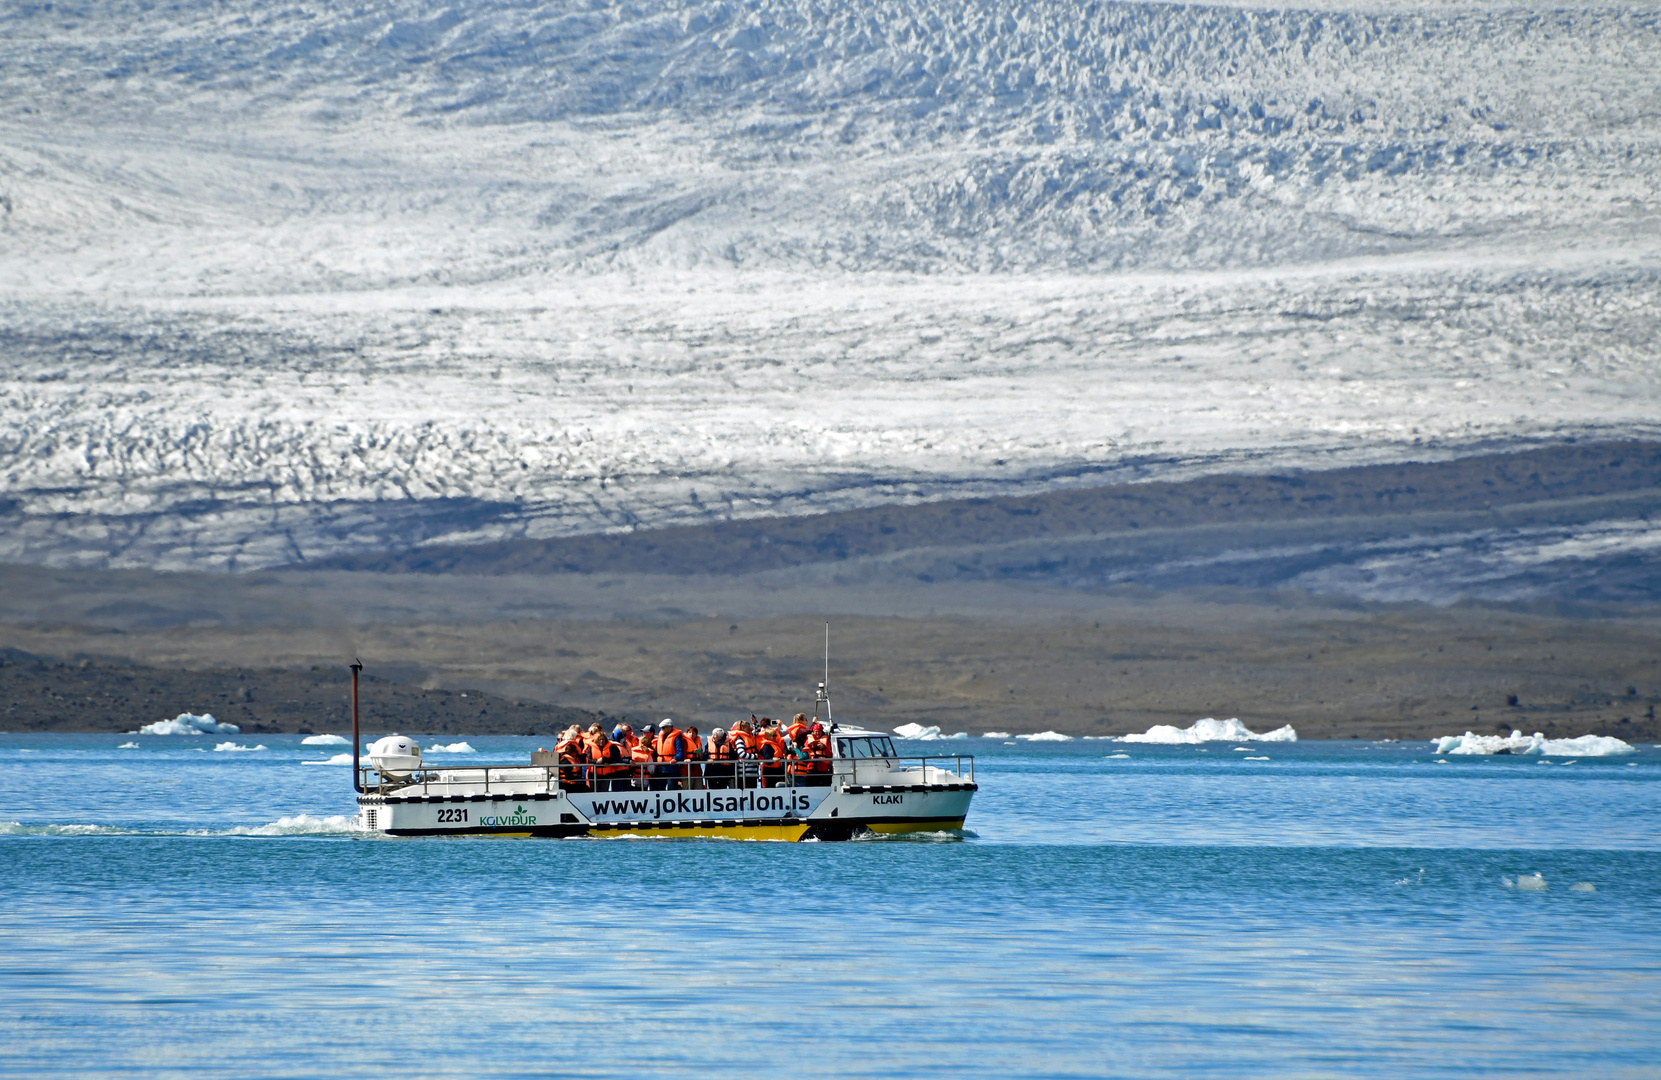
column 788, row 813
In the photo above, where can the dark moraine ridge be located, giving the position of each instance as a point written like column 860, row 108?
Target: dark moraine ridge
column 42, row 694
column 1039, row 536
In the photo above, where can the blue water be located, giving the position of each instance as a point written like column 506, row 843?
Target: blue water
column 1340, row 909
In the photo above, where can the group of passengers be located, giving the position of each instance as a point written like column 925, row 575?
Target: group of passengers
column 755, row 753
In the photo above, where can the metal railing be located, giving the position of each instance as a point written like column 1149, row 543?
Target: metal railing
column 740, row 774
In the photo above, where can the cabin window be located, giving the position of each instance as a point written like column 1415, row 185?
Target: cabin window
column 865, row 748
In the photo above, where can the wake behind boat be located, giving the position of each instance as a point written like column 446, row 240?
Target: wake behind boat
column 855, row 784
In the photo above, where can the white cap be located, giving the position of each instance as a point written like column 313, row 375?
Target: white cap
column 666, row 722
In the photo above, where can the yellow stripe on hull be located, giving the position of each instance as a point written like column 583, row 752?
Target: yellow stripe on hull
column 894, row 828
column 740, row 832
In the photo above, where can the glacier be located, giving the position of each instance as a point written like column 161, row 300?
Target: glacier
column 284, row 280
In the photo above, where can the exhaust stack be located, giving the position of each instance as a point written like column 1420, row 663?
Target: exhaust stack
column 357, row 739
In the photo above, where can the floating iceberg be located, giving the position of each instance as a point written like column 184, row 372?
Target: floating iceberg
column 1046, row 736
column 338, row 759
column 128, row 746
column 233, row 748
column 325, row 740
column 189, row 724
column 920, row 733
column 1209, row 730
column 453, row 748
column 996, row 735
column 1518, row 743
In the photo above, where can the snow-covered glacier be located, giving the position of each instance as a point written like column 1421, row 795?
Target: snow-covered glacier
column 281, row 280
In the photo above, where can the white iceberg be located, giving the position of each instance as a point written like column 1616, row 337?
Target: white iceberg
column 189, row 724
column 453, row 748
column 1518, row 743
column 233, row 748
column 128, row 746
column 917, row 731
column 325, row 740
column 338, row 759
column 1046, row 736
column 996, row 735
column 1210, row 730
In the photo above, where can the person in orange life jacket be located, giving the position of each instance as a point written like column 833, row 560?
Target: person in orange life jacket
column 718, row 768
column 797, row 759
column 798, row 726
column 573, row 759
column 819, row 749
column 671, row 752
column 609, row 765
column 696, row 755
column 640, row 764
column 770, row 748
column 623, row 735
column 771, row 737
column 743, row 740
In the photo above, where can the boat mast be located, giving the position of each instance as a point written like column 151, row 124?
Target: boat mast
column 357, row 777
column 824, row 687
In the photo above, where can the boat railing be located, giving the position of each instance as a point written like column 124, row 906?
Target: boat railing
column 744, row 773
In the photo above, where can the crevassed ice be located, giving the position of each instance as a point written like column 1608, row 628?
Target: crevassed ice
column 1518, row 743
column 1210, row 730
column 189, row 724
column 325, row 740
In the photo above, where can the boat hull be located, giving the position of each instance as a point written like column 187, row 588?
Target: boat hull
column 781, row 814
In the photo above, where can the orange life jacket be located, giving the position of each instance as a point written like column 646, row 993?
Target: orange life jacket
column 794, row 729
column 741, row 741
column 819, row 747
column 607, row 758
column 721, row 751
column 668, row 741
column 771, row 738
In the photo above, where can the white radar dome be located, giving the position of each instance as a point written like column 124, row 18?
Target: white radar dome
column 395, row 754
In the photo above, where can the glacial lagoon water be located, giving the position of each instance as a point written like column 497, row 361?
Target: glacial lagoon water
column 1308, row 909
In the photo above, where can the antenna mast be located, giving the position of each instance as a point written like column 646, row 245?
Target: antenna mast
column 824, row 691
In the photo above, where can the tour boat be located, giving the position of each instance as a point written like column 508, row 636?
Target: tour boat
column 868, row 788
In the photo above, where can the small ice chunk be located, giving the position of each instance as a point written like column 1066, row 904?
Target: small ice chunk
column 453, row 748
column 233, row 748
column 1117, row 757
column 1531, row 882
column 1583, row 886
column 996, row 735
column 128, row 746
column 1254, row 759
column 325, row 740
column 1046, row 736
column 1242, row 749
column 338, row 759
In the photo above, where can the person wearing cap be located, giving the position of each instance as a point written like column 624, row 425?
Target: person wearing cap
column 671, row 754
column 718, row 767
